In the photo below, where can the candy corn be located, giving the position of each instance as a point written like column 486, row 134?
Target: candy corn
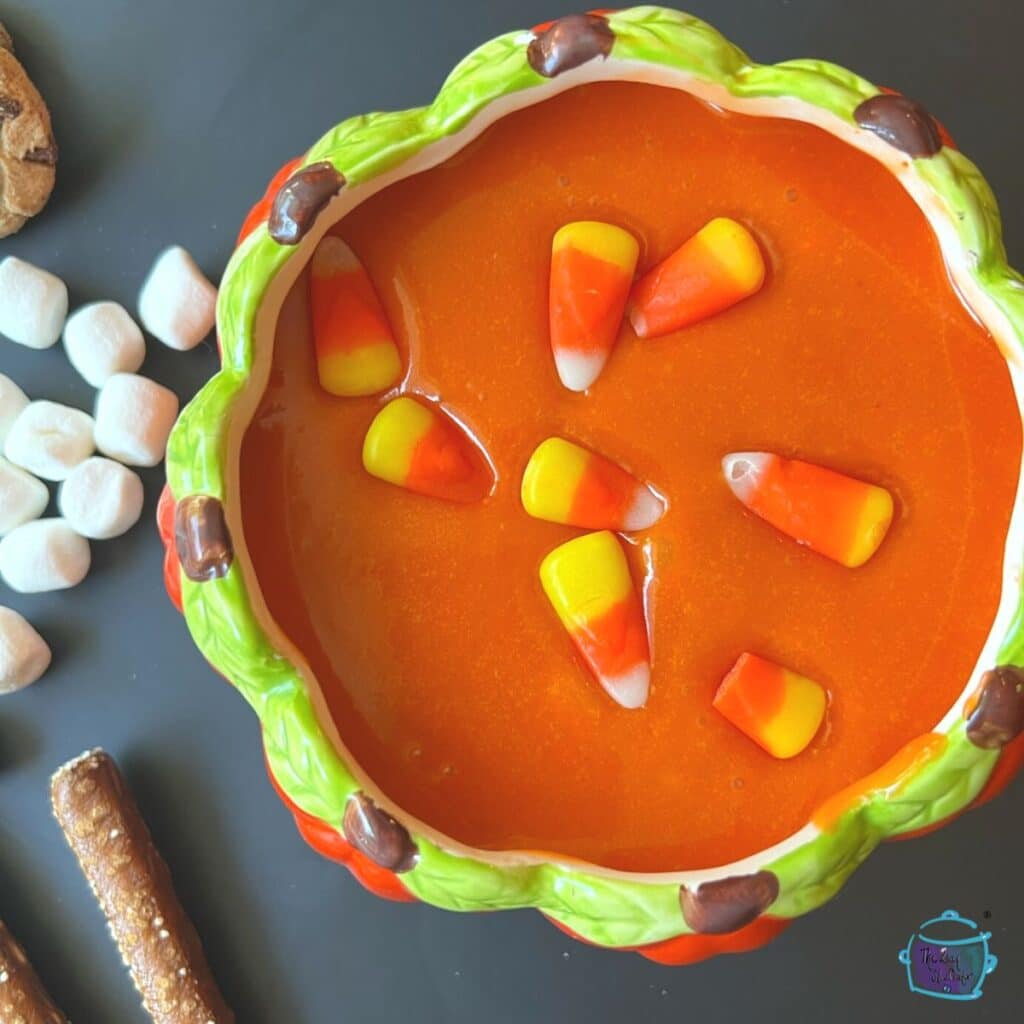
column 355, row 349
column 416, row 446
column 778, row 709
column 565, row 483
column 835, row 515
column 714, row 270
column 592, row 267
column 587, row 581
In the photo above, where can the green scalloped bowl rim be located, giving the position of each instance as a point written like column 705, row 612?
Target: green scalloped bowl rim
column 607, row 910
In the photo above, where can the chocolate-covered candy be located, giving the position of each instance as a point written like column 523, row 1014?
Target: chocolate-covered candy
column 202, row 538
column 715, row 908
column 903, row 123
column 300, row 200
column 998, row 715
column 569, row 42
column 376, row 834
column 23, row 1000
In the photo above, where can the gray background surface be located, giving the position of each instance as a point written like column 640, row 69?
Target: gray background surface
column 171, row 118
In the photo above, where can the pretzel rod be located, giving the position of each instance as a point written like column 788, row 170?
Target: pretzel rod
column 133, row 886
column 23, row 1000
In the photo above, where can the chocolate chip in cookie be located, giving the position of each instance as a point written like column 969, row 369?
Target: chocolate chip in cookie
column 28, row 152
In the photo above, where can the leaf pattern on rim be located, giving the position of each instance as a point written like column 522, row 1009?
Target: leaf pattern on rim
column 610, row 911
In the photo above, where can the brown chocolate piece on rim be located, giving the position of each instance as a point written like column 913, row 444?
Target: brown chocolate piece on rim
column 903, row 123
column 376, row 834
column 727, row 904
column 569, row 42
column 300, row 199
column 133, row 886
column 23, row 1000
column 998, row 714
column 202, row 538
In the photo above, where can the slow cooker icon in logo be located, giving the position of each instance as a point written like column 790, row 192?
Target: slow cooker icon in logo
column 947, row 957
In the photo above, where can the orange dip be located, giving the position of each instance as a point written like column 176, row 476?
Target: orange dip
column 446, row 670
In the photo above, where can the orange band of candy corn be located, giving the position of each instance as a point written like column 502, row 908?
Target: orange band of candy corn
column 778, row 709
column 415, row 446
column 356, row 352
column 588, row 583
column 565, row 483
column 837, row 516
column 719, row 266
column 592, row 267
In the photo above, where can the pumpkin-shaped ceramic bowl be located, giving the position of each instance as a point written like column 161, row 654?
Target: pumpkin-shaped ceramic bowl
column 675, row 917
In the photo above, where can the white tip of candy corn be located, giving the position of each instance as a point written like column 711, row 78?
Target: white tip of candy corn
column 631, row 688
column 743, row 470
column 637, row 321
column 646, row 510
column 577, row 371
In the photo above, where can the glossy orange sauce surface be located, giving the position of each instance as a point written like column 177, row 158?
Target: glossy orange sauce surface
column 447, row 672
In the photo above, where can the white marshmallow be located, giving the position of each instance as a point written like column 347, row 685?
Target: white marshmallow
column 50, row 439
column 33, row 304
column 101, row 499
column 12, row 401
column 177, row 304
column 102, row 339
column 24, row 656
column 22, row 497
column 44, row 555
column 134, row 416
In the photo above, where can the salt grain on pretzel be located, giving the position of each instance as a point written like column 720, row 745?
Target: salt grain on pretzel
column 129, row 878
column 23, row 1000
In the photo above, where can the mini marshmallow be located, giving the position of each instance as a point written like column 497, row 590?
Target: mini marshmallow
column 177, row 304
column 33, row 304
column 12, row 402
column 22, row 497
column 44, row 555
column 101, row 499
column 50, row 439
column 24, row 656
column 102, row 339
column 134, row 416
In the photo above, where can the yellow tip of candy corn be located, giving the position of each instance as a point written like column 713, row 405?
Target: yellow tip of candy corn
column 588, row 583
column 415, row 446
column 719, row 266
column 566, row 483
column 592, row 266
column 601, row 240
column 778, row 709
column 355, row 349
column 837, row 516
